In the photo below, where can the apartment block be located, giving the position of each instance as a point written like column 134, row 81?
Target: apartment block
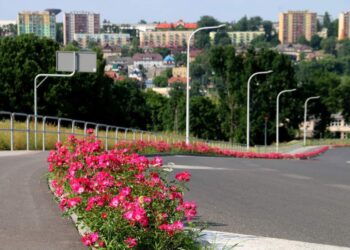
column 294, row 24
column 80, row 23
column 40, row 23
column 167, row 38
column 344, row 26
column 111, row 39
column 239, row 37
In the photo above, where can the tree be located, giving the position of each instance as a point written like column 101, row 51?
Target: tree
column 180, row 59
column 327, row 20
column 344, row 48
column 59, row 33
column 174, row 115
column 155, row 104
column 163, row 51
column 142, row 21
column 202, row 39
column 222, row 38
column 329, row 45
column 21, row 59
column 233, row 72
column 204, row 118
column 302, row 40
column 160, row 81
column 333, row 29
column 315, row 42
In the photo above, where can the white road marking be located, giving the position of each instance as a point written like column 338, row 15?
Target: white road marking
column 340, row 186
column 295, row 176
column 197, row 167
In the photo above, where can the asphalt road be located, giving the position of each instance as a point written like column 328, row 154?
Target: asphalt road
column 29, row 217
column 304, row 200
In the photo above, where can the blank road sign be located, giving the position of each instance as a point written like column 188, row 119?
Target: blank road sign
column 65, row 61
column 86, row 62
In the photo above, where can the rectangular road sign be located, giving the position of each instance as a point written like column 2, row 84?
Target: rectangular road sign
column 84, row 61
column 65, row 61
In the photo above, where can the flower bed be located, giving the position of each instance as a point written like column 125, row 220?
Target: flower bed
column 126, row 200
column 143, row 147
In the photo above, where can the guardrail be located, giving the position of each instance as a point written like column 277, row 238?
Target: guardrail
column 52, row 129
column 64, row 127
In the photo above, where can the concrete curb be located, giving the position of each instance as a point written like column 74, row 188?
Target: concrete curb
column 223, row 240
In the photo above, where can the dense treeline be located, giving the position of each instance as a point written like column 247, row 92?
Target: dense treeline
column 218, row 93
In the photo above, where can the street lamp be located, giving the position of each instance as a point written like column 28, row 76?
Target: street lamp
column 277, row 115
column 266, row 118
column 248, row 99
column 188, row 78
column 305, row 115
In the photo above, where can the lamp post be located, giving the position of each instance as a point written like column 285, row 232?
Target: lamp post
column 188, row 79
column 305, row 115
column 277, row 115
column 248, row 101
column 266, row 118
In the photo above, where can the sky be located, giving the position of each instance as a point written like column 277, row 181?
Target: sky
column 132, row 11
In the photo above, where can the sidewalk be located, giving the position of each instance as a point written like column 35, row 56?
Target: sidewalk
column 223, row 241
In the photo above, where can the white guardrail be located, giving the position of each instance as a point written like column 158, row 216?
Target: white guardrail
column 20, row 124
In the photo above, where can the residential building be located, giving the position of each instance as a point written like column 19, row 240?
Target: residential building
column 80, row 23
column 294, row 24
column 338, row 127
column 180, row 72
column 239, row 37
column 40, row 23
column 165, row 39
column 344, row 26
column 297, row 52
column 119, row 39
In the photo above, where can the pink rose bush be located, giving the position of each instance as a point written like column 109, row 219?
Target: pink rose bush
column 126, row 200
column 203, row 149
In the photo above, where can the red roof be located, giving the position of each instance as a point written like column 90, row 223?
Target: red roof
column 191, row 26
column 164, row 26
column 175, row 79
column 175, row 25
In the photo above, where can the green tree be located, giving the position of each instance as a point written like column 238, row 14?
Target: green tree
column 163, row 51
column 59, row 33
column 302, row 40
column 204, row 118
column 21, row 59
column 174, row 115
column 329, row 45
column 160, row 81
column 202, row 39
column 156, row 105
column 180, row 59
column 344, row 48
column 315, row 42
column 222, row 38
column 233, row 72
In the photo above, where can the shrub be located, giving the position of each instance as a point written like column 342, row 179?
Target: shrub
column 126, row 200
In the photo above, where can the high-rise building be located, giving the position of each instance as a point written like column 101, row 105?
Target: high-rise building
column 80, row 22
column 294, row 24
column 344, row 26
column 40, row 23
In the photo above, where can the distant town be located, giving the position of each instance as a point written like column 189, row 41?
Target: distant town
column 155, row 53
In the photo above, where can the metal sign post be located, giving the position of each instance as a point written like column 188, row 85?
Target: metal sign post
column 66, row 61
